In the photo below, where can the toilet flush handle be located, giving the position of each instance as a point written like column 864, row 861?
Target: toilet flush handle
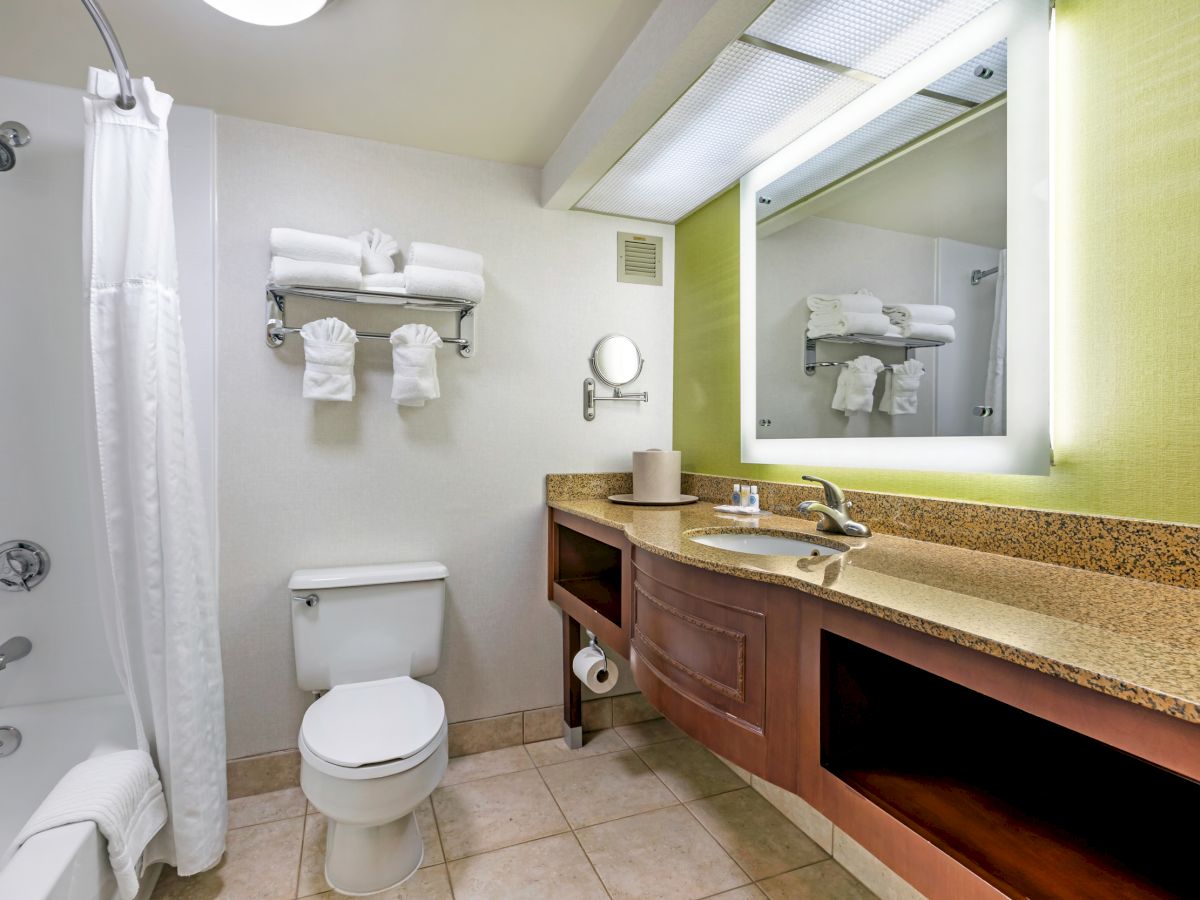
column 309, row 600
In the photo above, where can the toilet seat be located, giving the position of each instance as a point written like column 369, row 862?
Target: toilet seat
column 374, row 728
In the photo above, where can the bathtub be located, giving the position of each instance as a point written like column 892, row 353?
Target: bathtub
column 71, row 862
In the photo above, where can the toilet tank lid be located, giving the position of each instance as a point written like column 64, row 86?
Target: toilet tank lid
column 353, row 576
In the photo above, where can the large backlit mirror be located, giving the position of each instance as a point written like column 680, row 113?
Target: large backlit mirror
column 895, row 267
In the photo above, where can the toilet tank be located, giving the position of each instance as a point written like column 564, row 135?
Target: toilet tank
column 367, row 622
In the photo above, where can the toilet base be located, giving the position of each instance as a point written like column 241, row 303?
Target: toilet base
column 362, row 860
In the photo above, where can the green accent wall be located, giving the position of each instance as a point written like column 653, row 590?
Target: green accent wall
column 1127, row 292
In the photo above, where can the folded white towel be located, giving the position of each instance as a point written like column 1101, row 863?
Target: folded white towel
column 859, row 302
column 856, row 385
column 929, row 331
column 311, row 247
column 930, row 313
column 305, row 273
column 392, row 282
column 822, row 324
column 414, row 365
column 122, row 794
column 900, row 385
column 377, row 251
column 443, row 283
column 437, row 256
column 328, row 359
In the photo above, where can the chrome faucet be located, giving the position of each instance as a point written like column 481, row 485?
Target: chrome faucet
column 14, row 649
column 835, row 511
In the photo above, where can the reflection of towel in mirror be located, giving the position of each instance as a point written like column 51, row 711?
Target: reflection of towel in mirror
column 377, row 251
column 328, row 359
column 414, row 365
column 859, row 302
column 925, row 321
column 929, row 331
column 900, row 386
column 856, row 385
column 823, row 324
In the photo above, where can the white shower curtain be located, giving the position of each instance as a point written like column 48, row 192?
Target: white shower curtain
column 994, row 389
column 156, row 585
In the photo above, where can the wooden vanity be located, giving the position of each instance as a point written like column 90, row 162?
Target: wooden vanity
column 970, row 766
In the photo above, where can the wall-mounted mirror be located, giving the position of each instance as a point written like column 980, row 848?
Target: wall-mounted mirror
column 896, row 256
column 616, row 361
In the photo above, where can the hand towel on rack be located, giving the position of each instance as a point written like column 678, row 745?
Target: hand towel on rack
column 856, row 385
column 929, row 331
column 438, row 256
column 305, row 273
column 832, row 324
column 900, row 385
column 328, row 359
column 390, row 282
column 859, row 302
column 930, row 313
column 122, row 794
column 443, row 283
column 377, row 251
column 414, row 365
column 311, row 247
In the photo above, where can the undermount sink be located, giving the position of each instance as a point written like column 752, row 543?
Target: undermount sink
column 760, row 544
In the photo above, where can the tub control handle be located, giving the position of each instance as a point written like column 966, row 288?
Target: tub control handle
column 309, row 600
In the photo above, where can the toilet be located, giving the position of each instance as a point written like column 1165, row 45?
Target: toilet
column 373, row 746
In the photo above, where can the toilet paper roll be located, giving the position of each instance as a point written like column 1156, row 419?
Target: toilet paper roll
column 589, row 667
column 656, row 475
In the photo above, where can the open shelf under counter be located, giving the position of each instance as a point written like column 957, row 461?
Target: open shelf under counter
column 589, row 577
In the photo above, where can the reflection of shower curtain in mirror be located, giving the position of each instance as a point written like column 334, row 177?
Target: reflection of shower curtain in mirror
column 994, row 390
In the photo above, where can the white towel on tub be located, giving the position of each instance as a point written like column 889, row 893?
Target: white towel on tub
column 121, row 793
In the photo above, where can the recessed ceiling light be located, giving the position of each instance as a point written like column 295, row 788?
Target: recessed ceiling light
column 268, row 12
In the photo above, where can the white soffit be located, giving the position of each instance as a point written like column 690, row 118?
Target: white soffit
column 754, row 101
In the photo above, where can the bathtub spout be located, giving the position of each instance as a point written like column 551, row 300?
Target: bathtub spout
column 14, row 649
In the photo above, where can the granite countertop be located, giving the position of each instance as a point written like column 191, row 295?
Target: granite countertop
column 1135, row 640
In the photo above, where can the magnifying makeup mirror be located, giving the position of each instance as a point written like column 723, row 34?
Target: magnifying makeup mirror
column 616, row 361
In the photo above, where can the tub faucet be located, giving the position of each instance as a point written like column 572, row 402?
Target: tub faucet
column 14, row 649
column 835, row 511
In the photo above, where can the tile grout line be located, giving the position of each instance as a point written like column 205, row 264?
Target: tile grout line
column 571, row 830
column 437, row 827
column 300, row 861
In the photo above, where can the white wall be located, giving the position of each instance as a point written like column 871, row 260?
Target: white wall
column 462, row 480
column 44, row 491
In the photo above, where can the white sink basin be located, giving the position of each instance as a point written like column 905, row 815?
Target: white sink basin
column 763, row 544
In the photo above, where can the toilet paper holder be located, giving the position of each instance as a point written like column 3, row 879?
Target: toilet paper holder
column 594, row 643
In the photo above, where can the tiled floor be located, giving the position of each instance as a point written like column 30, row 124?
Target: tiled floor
column 640, row 811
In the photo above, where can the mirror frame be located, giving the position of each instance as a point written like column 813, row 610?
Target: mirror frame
column 641, row 360
column 1026, row 447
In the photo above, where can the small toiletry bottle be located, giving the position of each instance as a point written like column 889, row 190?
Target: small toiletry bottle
column 754, row 496
column 737, row 495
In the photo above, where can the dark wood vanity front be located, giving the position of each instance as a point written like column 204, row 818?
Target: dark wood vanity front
column 966, row 774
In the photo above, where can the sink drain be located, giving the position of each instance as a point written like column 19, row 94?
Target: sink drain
column 10, row 740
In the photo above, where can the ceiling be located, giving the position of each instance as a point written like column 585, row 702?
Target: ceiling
column 494, row 80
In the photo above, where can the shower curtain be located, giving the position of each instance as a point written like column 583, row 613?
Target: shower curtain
column 156, row 585
column 994, row 389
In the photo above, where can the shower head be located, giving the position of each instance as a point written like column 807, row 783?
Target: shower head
column 12, row 136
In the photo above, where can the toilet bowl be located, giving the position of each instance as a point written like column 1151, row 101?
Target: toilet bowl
column 371, row 752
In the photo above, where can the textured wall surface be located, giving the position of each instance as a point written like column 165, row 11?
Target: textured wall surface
column 1127, row 256
column 460, row 480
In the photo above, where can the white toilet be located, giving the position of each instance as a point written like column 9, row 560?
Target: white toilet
column 373, row 747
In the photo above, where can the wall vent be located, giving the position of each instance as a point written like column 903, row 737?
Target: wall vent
column 639, row 258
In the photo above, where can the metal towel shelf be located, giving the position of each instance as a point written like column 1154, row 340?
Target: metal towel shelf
column 883, row 340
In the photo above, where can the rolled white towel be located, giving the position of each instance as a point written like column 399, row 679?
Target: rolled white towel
column 861, row 302
column 304, row 273
column 928, row 313
column 438, row 256
column 328, row 360
column 377, row 251
column 393, row 282
column 900, row 385
column 120, row 792
column 414, row 365
column 823, row 324
column 443, row 283
column 312, row 247
column 856, row 385
column 929, row 331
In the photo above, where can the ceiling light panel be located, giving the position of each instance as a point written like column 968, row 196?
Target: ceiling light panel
column 963, row 82
column 876, row 36
column 749, row 104
column 904, row 122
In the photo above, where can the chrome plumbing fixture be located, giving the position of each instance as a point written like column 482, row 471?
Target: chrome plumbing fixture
column 10, row 740
column 23, row 565
column 12, row 136
column 14, row 649
column 835, row 511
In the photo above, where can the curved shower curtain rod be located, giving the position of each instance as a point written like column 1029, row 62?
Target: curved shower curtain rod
column 125, row 100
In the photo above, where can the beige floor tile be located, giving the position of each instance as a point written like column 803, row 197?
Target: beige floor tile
column 549, row 753
column 689, row 769
column 802, row 814
column 251, row 775
column 270, row 807
column 495, row 812
column 823, row 881
column 869, row 870
column 485, row 765
column 630, row 708
column 547, row 869
column 665, row 855
column 481, row 735
column 260, row 864
column 758, row 836
column 746, row 892
column 597, row 714
column 653, row 732
column 605, row 787
column 428, row 884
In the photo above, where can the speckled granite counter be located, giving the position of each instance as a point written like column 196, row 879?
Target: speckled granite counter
column 1131, row 639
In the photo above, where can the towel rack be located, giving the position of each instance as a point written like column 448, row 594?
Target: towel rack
column 977, row 275
column 464, row 310
column 882, row 340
